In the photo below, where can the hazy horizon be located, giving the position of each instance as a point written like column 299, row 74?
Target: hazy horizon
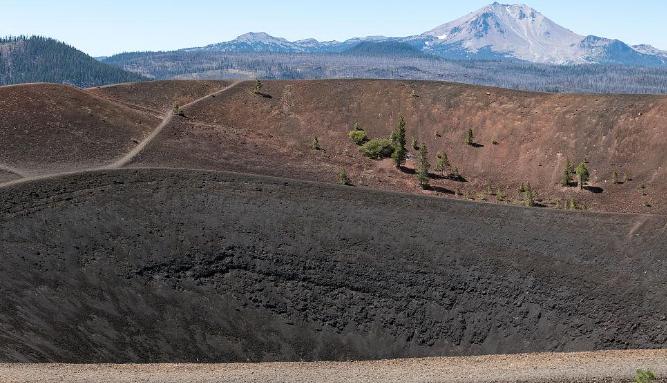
column 109, row 27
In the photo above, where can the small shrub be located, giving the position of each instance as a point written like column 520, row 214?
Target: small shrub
column 441, row 163
column 178, row 111
column 494, row 142
column 644, row 376
column 378, row 148
column 614, row 178
column 501, row 196
column 456, row 176
column 358, row 136
column 572, row 204
column 343, row 179
column 626, row 177
column 316, row 144
column 415, row 144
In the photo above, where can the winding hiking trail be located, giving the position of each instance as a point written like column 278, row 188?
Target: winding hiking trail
column 12, row 170
column 124, row 160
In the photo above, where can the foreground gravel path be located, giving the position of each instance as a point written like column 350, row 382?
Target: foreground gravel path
column 609, row 366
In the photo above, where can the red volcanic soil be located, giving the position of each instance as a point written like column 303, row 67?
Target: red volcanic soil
column 49, row 128
column 522, row 138
column 159, row 96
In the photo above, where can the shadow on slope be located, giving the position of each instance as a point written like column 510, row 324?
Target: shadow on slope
column 172, row 266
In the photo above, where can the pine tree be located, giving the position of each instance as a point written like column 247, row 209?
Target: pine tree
column 566, row 179
column 442, row 163
column 529, row 196
column 398, row 141
column 470, row 138
column 583, row 174
column 568, row 172
column 423, row 167
column 258, row 86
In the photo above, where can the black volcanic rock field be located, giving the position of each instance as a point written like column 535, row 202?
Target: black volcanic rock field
column 174, row 265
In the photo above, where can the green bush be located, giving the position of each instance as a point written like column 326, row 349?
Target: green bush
column 644, row 376
column 358, row 136
column 378, row 148
column 343, row 179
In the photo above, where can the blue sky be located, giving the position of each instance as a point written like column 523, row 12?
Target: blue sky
column 104, row 27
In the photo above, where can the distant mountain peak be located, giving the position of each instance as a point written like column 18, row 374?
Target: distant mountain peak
column 511, row 29
column 258, row 37
column 497, row 31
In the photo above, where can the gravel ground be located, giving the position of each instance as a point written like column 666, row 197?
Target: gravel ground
column 610, row 366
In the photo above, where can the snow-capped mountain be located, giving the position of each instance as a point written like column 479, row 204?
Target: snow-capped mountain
column 497, row 31
column 513, row 30
column 521, row 32
column 650, row 50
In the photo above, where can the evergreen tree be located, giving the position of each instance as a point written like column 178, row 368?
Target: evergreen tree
column 470, row 138
column 258, row 86
column 568, row 172
column 582, row 174
column 398, row 141
column 442, row 163
column 423, row 167
column 529, row 196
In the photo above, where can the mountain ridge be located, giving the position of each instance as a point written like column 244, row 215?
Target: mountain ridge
column 40, row 59
column 497, row 31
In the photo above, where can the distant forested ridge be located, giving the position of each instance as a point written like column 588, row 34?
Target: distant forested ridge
column 40, row 59
column 379, row 62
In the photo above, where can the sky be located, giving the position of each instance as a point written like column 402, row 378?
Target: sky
column 105, row 27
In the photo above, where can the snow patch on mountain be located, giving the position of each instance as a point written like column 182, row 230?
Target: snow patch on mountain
column 495, row 32
column 515, row 30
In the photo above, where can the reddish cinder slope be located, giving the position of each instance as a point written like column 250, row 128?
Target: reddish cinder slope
column 534, row 134
column 49, row 128
column 159, row 96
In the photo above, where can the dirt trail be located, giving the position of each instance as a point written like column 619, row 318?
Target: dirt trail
column 126, row 159
column 121, row 162
column 610, row 366
column 12, row 170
